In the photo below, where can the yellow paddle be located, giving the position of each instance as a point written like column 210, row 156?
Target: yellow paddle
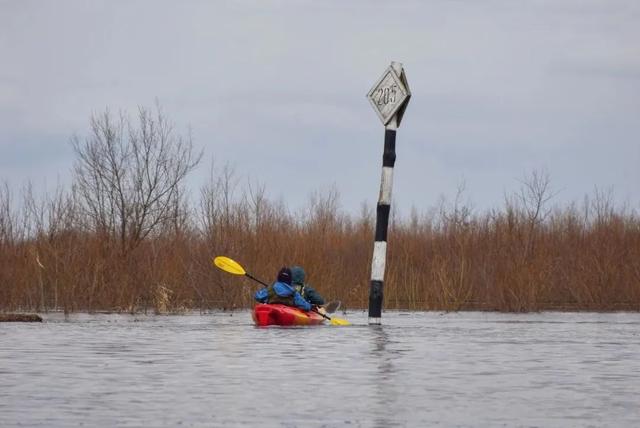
column 233, row 267
column 332, row 320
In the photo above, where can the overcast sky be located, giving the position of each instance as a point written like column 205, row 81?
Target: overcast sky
column 277, row 89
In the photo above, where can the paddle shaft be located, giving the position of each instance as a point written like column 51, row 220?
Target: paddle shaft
column 320, row 313
column 256, row 279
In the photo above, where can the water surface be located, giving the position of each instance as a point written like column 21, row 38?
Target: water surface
column 417, row 369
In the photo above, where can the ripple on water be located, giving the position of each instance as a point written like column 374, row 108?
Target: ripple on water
column 417, row 369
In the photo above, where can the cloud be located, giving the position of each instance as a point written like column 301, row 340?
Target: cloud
column 499, row 88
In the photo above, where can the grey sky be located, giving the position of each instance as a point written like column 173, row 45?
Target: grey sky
column 277, row 89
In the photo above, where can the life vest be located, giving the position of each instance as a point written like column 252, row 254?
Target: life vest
column 273, row 297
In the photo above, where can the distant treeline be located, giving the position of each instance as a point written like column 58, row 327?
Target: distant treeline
column 125, row 238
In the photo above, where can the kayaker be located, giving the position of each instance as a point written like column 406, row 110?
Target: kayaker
column 282, row 292
column 306, row 291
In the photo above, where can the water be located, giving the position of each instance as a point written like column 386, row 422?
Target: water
column 417, row 369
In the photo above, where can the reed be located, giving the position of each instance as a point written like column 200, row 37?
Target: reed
column 573, row 259
column 126, row 238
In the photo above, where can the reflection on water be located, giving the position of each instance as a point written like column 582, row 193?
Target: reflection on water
column 416, row 369
column 387, row 394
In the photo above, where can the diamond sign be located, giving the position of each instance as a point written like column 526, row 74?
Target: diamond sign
column 388, row 95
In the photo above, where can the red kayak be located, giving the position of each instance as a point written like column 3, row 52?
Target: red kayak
column 276, row 314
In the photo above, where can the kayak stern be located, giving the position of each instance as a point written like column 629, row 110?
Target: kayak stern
column 265, row 314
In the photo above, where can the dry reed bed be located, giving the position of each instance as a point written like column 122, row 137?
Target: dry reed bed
column 508, row 260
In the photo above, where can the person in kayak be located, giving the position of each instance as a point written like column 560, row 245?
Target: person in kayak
column 306, row 291
column 282, row 292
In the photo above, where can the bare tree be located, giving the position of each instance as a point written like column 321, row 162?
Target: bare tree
column 535, row 193
column 602, row 205
column 258, row 203
column 217, row 198
column 129, row 175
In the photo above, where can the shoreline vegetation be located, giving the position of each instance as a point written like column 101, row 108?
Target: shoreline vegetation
column 127, row 238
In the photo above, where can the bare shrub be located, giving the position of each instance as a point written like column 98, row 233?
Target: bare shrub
column 129, row 175
column 58, row 254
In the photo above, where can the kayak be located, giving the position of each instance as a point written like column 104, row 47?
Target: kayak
column 276, row 314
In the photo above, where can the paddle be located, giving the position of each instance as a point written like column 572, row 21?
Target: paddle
column 334, row 320
column 233, row 267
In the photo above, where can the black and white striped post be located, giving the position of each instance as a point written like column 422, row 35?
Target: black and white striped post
column 389, row 98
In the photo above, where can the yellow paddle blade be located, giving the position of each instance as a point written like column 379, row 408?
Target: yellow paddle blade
column 339, row 321
column 229, row 265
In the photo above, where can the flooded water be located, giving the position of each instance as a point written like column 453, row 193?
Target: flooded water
column 417, row 369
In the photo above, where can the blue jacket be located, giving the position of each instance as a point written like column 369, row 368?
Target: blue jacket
column 279, row 292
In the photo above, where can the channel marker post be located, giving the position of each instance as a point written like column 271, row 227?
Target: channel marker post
column 389, row 98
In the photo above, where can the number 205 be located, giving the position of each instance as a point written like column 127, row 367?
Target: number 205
column 386, row 95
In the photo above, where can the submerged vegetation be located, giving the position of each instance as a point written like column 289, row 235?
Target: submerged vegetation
column 126, row 238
